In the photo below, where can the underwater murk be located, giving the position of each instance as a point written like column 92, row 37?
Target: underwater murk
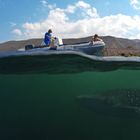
column 68, row 98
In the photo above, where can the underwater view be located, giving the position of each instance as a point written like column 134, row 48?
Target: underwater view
column 87, row 100
column 70, row 70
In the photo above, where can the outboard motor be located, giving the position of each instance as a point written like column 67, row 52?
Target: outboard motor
column 57, row 42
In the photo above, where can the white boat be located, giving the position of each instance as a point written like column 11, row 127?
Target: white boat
column 90, row 48
column 94, row 48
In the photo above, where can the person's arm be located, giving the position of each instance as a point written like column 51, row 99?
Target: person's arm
column 48, row 36
column 99, row 39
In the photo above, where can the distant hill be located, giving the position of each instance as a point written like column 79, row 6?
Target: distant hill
column 111, row 42
column 14, row 45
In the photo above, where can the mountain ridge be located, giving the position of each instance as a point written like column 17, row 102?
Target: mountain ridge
column 113, row 44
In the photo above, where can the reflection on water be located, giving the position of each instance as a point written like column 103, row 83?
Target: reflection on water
column 44, row 107
column 64, row 64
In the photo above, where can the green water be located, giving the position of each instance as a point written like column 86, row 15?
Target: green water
column 43, row 107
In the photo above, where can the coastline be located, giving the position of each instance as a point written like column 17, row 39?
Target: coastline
column 114, row 46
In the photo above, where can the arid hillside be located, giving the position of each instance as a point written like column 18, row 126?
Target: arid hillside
column 114, row 46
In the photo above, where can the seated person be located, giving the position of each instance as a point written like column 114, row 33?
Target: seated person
column 96, row 38
column 47, row 38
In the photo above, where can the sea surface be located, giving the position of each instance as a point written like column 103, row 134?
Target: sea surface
column 42, row 105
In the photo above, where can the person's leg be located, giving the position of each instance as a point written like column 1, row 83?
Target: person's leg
column 53, row 48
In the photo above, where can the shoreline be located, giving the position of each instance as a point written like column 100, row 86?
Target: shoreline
column 126, row 52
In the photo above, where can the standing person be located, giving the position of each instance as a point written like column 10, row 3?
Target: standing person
column 47, row 38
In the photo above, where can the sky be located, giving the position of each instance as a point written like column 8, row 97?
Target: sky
column 69, row 18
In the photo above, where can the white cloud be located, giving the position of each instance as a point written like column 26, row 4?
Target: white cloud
column 70, row 9
column 12, row 24
column 135, row 4
column 58, row 15
column 17, row 32
column 82, row 4
column 52, row 6
column 58, row 19
column 44, row 3
column 84, row 8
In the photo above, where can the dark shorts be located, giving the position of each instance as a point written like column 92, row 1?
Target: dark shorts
column 53, row 48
